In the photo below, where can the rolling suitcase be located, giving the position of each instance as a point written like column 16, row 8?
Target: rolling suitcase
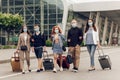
column 104, row 60
column 65, row 64
column 47, row 62
column 15, row 62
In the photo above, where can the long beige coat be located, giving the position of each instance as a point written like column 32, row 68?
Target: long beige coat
column 21, row 41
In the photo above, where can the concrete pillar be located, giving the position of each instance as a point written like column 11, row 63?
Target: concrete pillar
column 8, row 6
column 91, row 15
column 105, row 31
column 110, row 36
column 24, row 12
column 100, row 24
column 119, row 38
column 116, row 29
column 65, row 15
column 42, row 16
column 97, row 19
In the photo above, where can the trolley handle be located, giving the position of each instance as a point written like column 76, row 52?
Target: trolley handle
column 99, row 51
column 46, row 54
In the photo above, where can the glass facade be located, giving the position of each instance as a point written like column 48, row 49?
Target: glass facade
column 45, row 13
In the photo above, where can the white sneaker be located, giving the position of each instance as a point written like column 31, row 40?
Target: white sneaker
column 54, row 70
column 61, row 69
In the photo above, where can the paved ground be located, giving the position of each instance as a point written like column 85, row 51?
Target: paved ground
column 99, row 74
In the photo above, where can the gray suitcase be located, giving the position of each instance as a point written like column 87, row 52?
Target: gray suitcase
column 104, row 60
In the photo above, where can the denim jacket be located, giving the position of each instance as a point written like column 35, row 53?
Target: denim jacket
column 61, row 40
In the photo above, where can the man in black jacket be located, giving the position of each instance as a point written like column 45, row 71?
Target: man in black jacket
column 74, row 39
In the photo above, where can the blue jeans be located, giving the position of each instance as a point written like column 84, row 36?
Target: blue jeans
column 91, row 49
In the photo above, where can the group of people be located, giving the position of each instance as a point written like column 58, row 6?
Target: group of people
column 75, row 37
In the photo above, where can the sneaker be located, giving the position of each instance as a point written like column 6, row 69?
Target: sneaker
column 91, row 69
column 54, row 70
column 38, row 70
column 75, row 69
column 61, row 69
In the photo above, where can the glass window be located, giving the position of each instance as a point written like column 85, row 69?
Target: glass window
column 60, row 15
column 11, row 2
column 59, row 21
column 52, row 6
column 37, row 21
column 59, row 10
column 12, row 10
column 37, row 1
column 4, row 2
column 52, row 21
column 45, row 16
column 51, row 26
column 30, row 21
column 52, row 10
column 29, row 10
column 28, row 17
column 45, row 21
column 19, row 2
column 37, row 16
column 52, row 15
column 28, row 2
column 4, row 10
column 37, row 10
column 45, row 11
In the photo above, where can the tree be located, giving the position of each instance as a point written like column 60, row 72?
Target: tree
column 9, row 22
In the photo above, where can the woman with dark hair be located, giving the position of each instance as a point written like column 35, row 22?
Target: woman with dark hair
column 57, row 43
column 91, row 38
column 23, row 47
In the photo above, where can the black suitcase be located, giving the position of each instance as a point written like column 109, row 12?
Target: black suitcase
column 47, row 62
column 104, row 60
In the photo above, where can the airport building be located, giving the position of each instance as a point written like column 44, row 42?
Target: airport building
column 48, row 13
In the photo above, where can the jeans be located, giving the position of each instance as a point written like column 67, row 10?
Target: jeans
column 91, row 49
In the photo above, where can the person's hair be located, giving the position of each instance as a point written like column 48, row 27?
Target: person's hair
column 28, row 31
column 93, row 25
column 36, row 25
column 53, row 29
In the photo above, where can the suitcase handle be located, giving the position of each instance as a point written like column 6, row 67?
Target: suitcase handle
column 99, row 51
column 44, row 54
column 16, row 54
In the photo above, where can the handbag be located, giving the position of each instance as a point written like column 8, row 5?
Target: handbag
column 69, row 59
column 63, row 48
column 23, row 48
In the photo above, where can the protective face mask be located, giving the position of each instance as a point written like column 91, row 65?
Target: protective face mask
column 74, row 25
column 90, row 23
column 36, row 30
column 56, row 31
column 25, row 30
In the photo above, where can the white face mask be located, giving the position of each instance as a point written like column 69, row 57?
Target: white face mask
column 90, row 23
column 74, row 25
column 56, row 31
column 25, row 30
column 36, row 29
